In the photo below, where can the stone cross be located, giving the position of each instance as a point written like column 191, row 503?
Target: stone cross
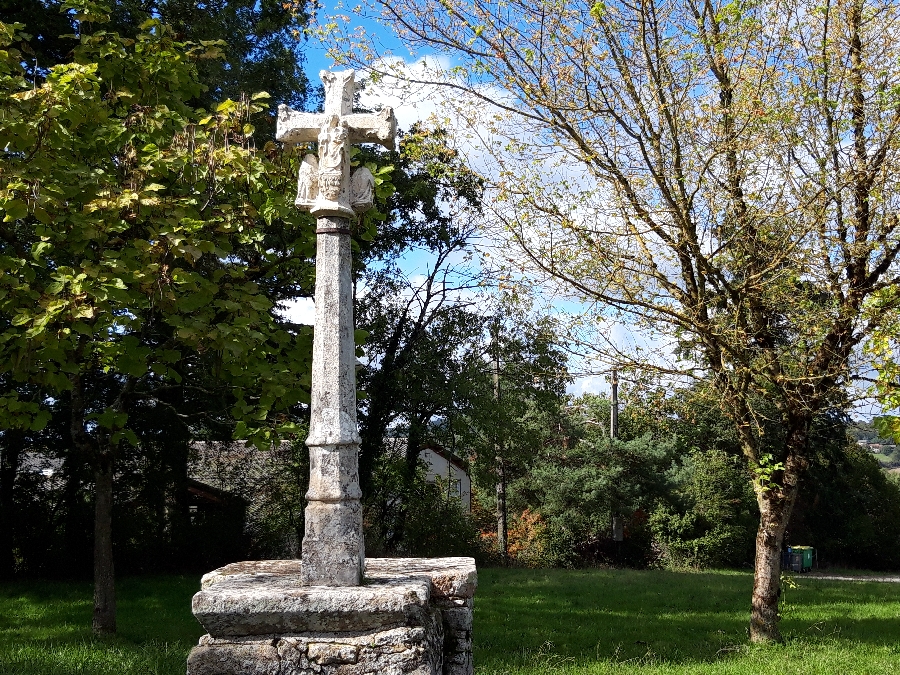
column 333, row 552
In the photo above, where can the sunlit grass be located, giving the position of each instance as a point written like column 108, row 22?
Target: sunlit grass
column 527, row 622
column 596, row 621
column 45, row 628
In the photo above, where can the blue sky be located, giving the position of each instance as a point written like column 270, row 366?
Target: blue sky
column 316, row 53
column 316, row 59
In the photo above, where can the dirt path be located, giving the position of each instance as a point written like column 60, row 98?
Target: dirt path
column 838, row 577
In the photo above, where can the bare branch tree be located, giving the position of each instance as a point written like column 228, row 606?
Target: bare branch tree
column 724, row 172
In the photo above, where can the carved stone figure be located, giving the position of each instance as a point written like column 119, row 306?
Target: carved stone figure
column 331, row 194
column 307, row 183
column 362, row 190
column 332, row 144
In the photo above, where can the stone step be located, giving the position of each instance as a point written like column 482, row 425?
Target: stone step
column 411, row 616
column 267, row 604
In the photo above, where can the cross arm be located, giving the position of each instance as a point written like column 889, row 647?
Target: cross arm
column 298, row 127
column 379, row 127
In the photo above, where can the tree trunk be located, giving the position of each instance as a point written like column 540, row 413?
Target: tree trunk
column 775, row 505
column 502, row 529
column 10, row 452
column 77, row 521
column 104, row 621
column 767, row 575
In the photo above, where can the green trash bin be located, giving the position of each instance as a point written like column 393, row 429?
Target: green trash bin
column 806, row 557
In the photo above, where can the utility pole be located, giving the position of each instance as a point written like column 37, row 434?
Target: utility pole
column 502, row 530
column 616, row 525
column 614, row 407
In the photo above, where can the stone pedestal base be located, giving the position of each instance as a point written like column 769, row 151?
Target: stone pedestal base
column 410, row 616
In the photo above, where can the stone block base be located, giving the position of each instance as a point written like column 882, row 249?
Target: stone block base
column 398, row 651
column 411, row 616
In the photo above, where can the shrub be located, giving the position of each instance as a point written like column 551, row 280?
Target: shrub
column 405, row 515
column 711, row 519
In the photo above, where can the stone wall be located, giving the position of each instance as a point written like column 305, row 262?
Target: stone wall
column 410, row 616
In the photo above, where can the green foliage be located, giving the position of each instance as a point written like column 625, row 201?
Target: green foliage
column 868, row 431
column 257, row 43
column 136, row 236
column 408, row 516
column 710, row 519
column 514, row 421
column 849, row 509
column 686, row 496
column 581, row 480
column 434, row 195
column 765, row 471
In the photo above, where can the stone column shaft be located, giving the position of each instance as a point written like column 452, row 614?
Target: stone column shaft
column 333, row 550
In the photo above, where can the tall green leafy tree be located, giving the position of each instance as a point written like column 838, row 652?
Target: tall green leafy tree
column 258, row 49
column 514, row 395
column 139, row 245
column 580, row 479
column 259, row 40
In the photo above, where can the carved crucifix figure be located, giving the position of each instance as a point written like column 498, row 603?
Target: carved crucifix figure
column 333, row 553
column 325, row 186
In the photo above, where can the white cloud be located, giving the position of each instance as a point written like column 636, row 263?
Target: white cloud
column 492, row 141
column 428, row 90
column 299, row 310
column 591, row 384
column 411, row 102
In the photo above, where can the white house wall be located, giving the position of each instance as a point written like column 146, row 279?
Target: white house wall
column 439, row 468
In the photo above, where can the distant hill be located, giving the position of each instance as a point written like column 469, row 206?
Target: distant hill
column 885, row 450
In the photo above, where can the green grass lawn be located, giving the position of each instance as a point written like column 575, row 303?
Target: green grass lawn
column 616, row 621
column 527, row 622
column 45, row 628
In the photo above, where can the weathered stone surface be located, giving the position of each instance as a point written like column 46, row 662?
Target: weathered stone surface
column 385, row 643
column 450, row 577
column 453, row 580
column 327, row 192
column 362, row 190
column 245, row 656
column 457, row 618
column 328, row 653
column 252, row 568
column 247, row 604
column 459, row 664
column 397, row 651
column 457, row 641
column 333, row 538
column 449, row 603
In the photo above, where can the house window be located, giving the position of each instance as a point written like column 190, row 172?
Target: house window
column 455, row 488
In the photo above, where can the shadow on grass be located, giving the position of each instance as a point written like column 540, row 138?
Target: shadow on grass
column 45, row 628
column 527, row 622
column 618, row 615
